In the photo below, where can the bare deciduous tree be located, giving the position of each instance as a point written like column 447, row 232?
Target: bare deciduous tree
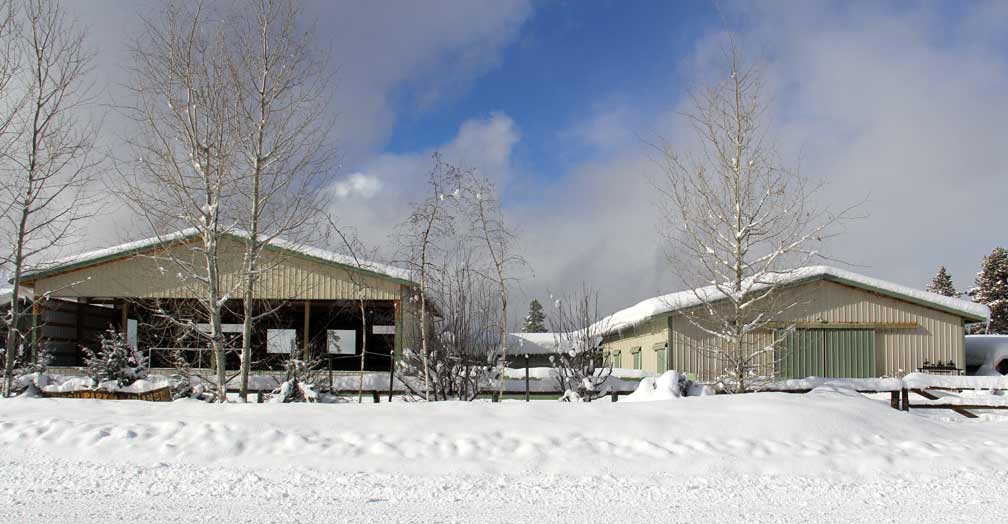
column 47, row 144
column 183, row 170
column 740, row 222
column 457, row 244
column 283, row 131
column 353, row 246
column 462, row 341
column 420, row 239
column 487, row 225
column 579, row 364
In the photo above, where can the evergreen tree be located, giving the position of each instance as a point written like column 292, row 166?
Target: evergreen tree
column 942, row 284
column 535, row 322
column 114, row 360
column 992, row 288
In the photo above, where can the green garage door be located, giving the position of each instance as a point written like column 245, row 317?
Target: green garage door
column 841, row 353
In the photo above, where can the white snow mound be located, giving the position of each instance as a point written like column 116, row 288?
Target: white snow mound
column 669, row 385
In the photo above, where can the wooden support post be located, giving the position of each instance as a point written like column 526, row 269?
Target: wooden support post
column 526, row 378
column 125, row 319
column 304, row 342
column 36, row 325
column 894, row 399
column 376, row 396
column 391, row 372
column 904, row 399
column 615, row 396
column 397, row 340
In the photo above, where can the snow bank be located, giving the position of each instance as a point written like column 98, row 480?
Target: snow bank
column 651, row 307
column 761, row 433
column 64, row 384
column 857, row 384
column 924, row 380
column 669, row 385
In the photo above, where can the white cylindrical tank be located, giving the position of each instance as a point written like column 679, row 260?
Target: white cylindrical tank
column 987, row 355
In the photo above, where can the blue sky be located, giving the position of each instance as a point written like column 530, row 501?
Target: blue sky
column 568, row 56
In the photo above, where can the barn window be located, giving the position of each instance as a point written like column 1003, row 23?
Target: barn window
column 661, row 357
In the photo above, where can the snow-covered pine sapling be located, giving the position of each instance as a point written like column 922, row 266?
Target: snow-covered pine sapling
column 301, row 380
column 114, row 361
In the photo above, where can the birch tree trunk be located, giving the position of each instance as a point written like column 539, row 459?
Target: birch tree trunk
column 284, row 132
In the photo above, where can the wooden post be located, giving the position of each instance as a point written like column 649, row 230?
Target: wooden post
column 397, row 339
column 615, row 396
column 495, row 396
column 894, row 399
column 526, row 377
column 304, row 343
column 376, row 396
column 36, row 313
column 391, row 372
column 905, row 399
column 125, row 314
column 79, row 325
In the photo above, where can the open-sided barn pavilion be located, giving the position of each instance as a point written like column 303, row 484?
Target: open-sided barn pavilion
column 308, row 299
column 843, row 324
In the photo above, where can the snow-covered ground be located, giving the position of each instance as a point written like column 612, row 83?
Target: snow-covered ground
column 826, row 456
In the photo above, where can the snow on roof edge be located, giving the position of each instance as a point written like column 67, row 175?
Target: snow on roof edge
column 652, row 307
column 139, row 245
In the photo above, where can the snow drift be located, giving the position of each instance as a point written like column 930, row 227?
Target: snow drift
column 670, row 385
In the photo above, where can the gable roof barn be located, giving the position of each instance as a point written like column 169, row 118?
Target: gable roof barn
column 672, row 302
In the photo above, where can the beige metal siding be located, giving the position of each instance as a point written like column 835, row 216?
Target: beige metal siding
column 644, row 336
column 938, row 337
column 156, row 275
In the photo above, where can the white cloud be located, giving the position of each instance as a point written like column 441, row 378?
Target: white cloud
column 875, row 102
column 357, row 184
column 485, row 144
column 378, row 50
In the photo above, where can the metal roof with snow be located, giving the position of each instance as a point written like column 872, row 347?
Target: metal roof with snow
column 99, row 256
column 665, row 304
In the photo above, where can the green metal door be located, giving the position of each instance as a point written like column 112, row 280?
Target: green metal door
column 851, row 353
column 803, row 354
column 840, row 353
